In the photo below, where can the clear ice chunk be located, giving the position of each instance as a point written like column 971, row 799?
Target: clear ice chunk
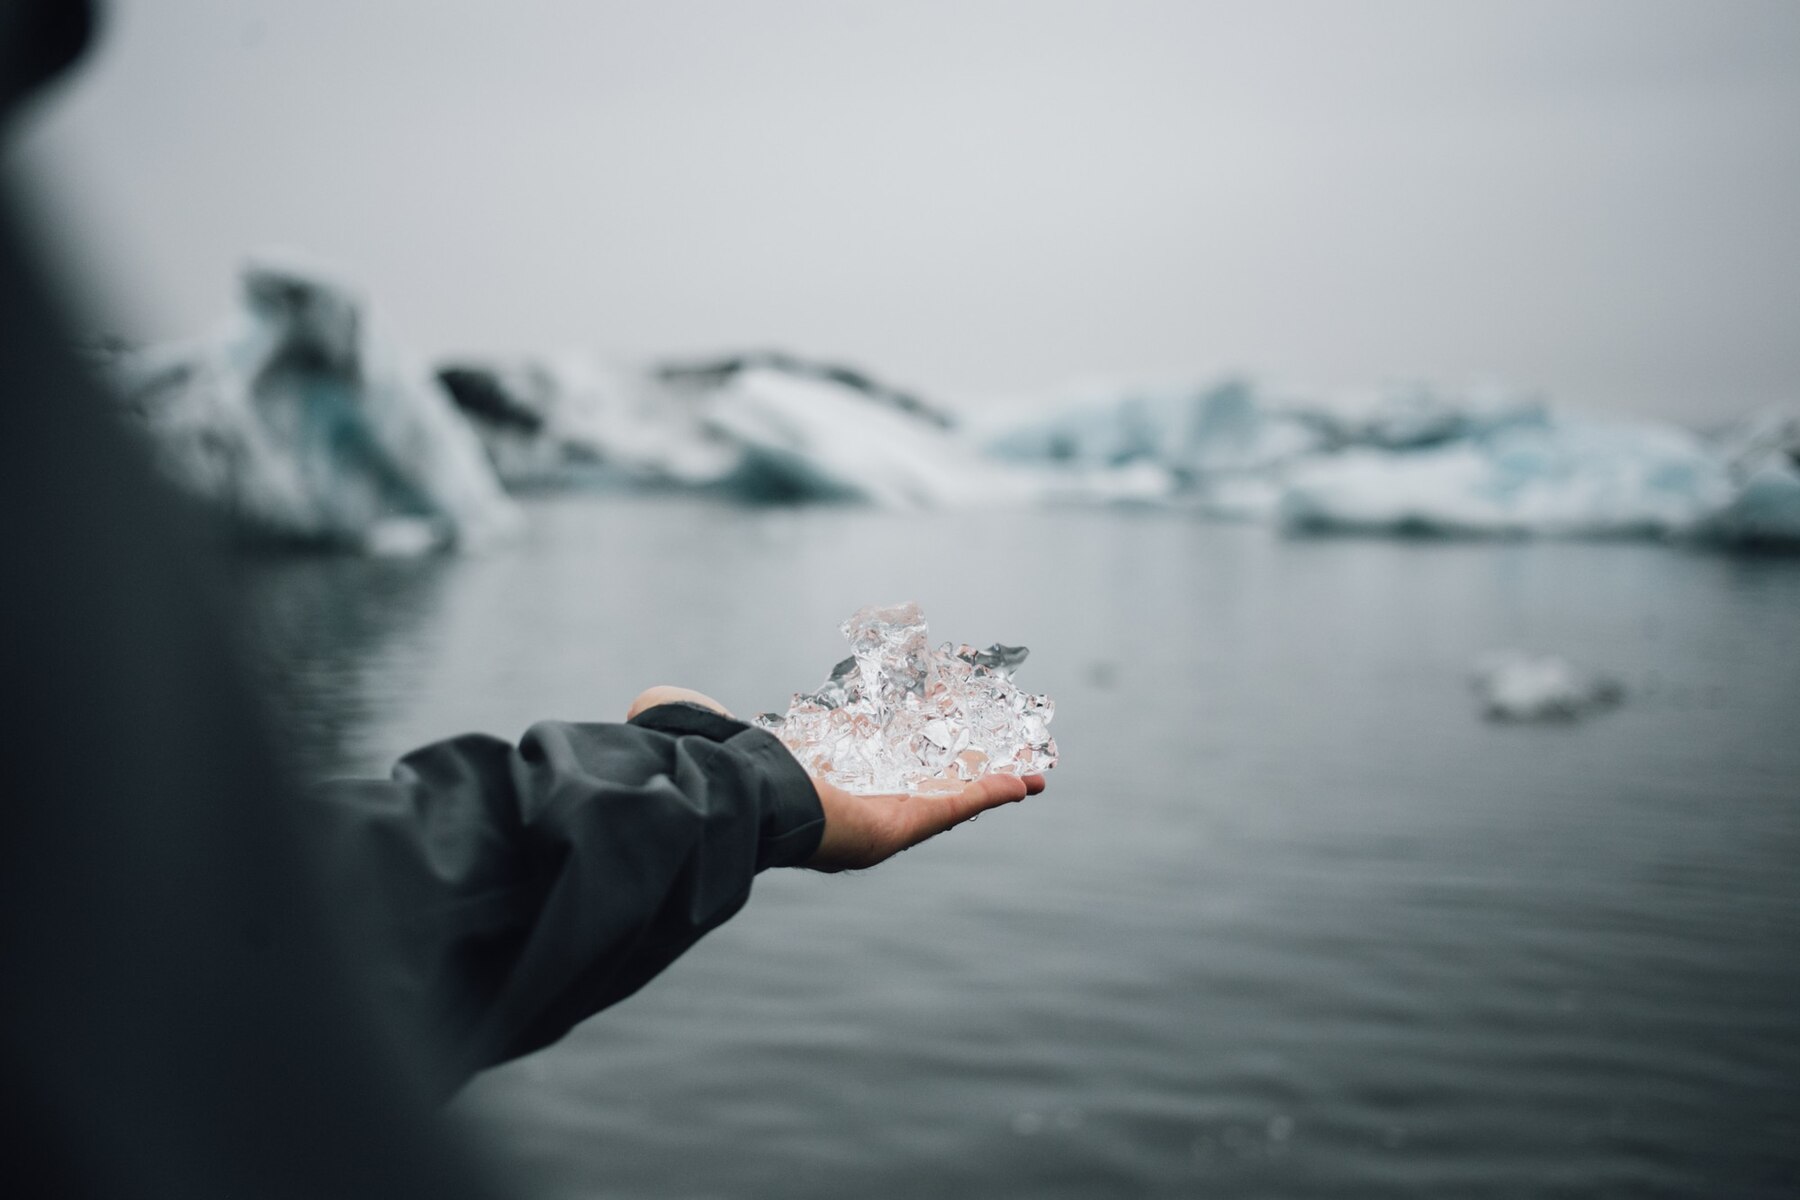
column 897, row 716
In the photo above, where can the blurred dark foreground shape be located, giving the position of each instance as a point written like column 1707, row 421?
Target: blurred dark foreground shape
column 176, row 1019
column 189, row 1010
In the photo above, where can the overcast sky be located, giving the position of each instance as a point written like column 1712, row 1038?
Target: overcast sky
column 1599, row 198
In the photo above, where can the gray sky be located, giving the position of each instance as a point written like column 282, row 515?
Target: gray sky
column 1600, row 198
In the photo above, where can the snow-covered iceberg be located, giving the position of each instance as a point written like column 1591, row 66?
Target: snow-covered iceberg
column 758, row 427
column 804, row 437
column 578, row 420
column 717, row 372
column 302, row 428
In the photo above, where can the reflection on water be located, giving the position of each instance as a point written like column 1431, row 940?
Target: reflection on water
column 340, row 643
column 1291, row 919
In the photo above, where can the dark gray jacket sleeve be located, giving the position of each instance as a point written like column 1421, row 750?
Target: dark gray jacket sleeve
column 511, row 891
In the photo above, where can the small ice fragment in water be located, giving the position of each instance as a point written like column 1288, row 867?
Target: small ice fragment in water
column 897, row 716
column 1518, row 686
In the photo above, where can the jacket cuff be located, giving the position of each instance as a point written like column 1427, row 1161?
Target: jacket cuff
column 793, row 820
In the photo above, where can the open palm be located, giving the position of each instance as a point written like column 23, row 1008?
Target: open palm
column 861, row 831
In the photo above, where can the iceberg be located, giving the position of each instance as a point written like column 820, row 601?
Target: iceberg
column 1228, row 448
column 301, row 428
column 1764, row 511
column 1236, row 427
column 575, row 420
column 1407, row 459
column 1214, row 448
column 805, row 437
column 1561, row 475
column 757, row 427
column 1762, row 454
column 1191, row 432
column 1769, row 437
column 304, row 428
column 1402, row 459
column 1414, row 416
column 717, row 372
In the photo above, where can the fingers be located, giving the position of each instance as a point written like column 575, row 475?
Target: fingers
column 990, row 791
column 1000, row 789
column 862, row 830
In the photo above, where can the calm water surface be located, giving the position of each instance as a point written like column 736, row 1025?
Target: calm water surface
column 1290, row 921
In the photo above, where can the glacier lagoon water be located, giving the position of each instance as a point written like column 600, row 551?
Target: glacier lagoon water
column 1291, row 920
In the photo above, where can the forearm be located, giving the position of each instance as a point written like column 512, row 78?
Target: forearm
column 513, row 891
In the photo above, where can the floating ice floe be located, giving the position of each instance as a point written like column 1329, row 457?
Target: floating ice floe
column 301, row 428
column 1515, row 685
column 897, row 716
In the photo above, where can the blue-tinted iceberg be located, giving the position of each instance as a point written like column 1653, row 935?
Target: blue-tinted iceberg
column 301, row 428
column 1479, row 461
column 1228, row 448
column 1762, row 454
column 1236, row 426
column 1764, row 510
column 1191, row 433
column 1560, row 475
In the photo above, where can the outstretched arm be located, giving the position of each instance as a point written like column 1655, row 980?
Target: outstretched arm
column 512, row 891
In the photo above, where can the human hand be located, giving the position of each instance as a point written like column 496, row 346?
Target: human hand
column 861, row 831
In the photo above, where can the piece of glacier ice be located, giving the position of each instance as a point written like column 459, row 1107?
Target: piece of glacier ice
column 897, row 715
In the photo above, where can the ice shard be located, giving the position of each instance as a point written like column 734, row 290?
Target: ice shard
column 898, row 716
